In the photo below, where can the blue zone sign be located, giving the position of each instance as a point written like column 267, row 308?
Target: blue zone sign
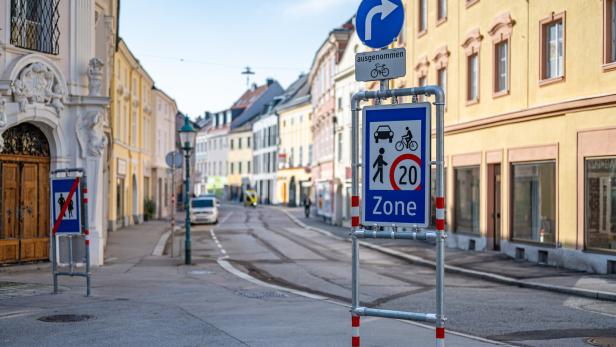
column 379, row 22
column 396, row 165
column 70, row 220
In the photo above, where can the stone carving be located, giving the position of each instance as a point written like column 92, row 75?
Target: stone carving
column 36, row 83
column 90, row 134
column 95, row 77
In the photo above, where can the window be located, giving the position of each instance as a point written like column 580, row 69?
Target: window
column 309, row 154
column 248, row 166
column 291, row 159
column 34, row 25
column 501, row 66
column 422, row 21
column 441, row 76
column 441, row 11
column 552, row 47
column 339, row 104
column 610, row 31
column 231, row 171
column 600, row 202
column 472, row 78
column 239, row 167
column 533, row 202
column 231, row 144
column 467, row 199
column 301, row 156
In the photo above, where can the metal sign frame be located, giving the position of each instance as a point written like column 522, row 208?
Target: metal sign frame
column 80, row 179
column 358, row 232
column 425, row 149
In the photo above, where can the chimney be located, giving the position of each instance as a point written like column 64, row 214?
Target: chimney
column 254, row 87
column 270, row 81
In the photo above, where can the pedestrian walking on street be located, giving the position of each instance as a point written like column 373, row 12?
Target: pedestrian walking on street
column 307, row 204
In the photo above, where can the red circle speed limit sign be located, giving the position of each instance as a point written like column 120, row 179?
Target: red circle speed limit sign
column 405, row 172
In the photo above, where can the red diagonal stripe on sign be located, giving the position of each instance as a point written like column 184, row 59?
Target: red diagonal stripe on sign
column 68, row 198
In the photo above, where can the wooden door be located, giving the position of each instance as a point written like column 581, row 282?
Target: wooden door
column 9, row 235
column 34, row 240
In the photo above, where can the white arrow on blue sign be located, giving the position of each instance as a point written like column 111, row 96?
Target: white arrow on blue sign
column 379, row 22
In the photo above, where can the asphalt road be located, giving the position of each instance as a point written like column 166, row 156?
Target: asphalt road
column 265, row 244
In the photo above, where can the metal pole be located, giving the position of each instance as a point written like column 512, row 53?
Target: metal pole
column 440, row 215
column 54, row 262
column 86, row 230
column 187, row 250
column 440, row 195
column 355, row 320
column 173, row 205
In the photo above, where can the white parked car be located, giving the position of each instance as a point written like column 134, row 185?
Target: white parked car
column 203, row 210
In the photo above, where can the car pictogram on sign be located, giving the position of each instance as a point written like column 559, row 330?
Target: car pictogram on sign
column 383, row 132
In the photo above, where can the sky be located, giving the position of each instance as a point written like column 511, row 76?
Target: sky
column 195, row 50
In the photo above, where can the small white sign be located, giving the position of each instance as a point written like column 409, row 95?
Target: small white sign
column 380, row 65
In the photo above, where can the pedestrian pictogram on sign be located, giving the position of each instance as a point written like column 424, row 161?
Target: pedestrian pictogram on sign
column 66, row 205
column 397, row 177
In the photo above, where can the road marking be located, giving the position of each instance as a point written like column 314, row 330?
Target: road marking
column 226, row 265
column 213, row 233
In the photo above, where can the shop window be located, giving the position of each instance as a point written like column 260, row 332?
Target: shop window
column 467, row 198
column 600, row 201
column 533, row 202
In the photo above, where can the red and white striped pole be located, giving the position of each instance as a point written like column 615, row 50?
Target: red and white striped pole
column 355, row 291
column 355, row 324
column 86, row 230
column 440, row 227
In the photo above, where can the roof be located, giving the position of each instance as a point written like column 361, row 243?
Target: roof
column 255, row 101
column 250, row 97
column 297, row 93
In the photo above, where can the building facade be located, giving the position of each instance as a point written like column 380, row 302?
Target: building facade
column 215, row 154
column 321, row 79
column 529, row 124
column 294, row 180
column 163, row 142
column 265, row 156
column 239, row 178
column 131, row 121
column 345, row 86
column 56, row 59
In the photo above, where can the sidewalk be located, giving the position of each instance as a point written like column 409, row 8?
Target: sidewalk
column 143, row 300
column 488, row 265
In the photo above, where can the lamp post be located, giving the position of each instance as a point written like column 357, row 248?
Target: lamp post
column 187, row 137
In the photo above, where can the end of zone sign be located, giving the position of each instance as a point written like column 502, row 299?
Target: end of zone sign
column 396, row 179
column 66, row 205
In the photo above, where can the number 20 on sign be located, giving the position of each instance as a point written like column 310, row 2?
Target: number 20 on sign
column 396, row 165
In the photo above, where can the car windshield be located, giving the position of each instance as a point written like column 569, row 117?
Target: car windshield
column 203, row 203
column 383, row 127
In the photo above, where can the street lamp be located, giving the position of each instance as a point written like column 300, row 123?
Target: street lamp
column 187, row 139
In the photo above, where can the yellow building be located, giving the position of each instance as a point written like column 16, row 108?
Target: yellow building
column 295, row 154
column 132, row 126
column 530, row 123
column 239, row 161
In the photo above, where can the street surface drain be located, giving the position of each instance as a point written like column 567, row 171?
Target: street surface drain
column 251, row 294
column 602, row 341
column 66, row 318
